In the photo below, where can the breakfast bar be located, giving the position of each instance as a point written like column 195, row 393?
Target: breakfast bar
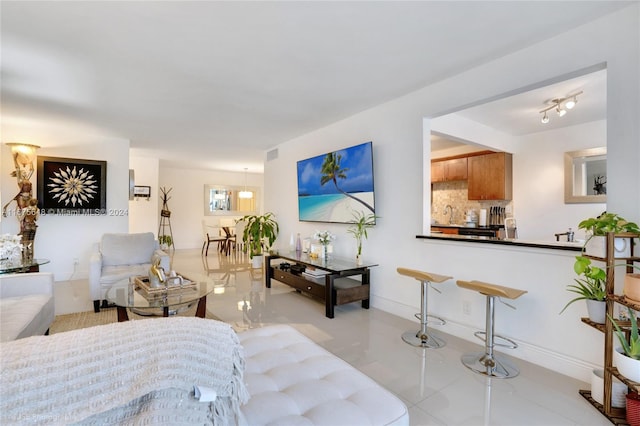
column 557, row 245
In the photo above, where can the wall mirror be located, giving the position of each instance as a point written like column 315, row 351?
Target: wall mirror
column 585, row 176
column 229, row 200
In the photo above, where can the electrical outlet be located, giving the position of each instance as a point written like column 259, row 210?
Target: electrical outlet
column 466, row 307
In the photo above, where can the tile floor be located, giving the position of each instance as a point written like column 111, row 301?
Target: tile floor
column 434, row 384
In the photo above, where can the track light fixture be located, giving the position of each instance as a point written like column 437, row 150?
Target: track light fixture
column 561, row 105
column 545, row 118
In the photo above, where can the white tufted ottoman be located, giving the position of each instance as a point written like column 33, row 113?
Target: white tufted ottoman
column 293, row 381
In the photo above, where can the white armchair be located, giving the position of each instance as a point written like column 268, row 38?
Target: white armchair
column 119, row 256
column 27, row 306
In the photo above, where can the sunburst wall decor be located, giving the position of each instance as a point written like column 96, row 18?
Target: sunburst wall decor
column 72, row 186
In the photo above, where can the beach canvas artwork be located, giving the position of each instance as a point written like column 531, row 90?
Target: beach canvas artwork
column 333, row 186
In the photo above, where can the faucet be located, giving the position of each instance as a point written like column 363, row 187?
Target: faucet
column 569, row 235
column 448, row 206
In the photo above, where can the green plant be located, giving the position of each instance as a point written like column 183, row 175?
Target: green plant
column 260, row 232
column 165, row 239
column 608, row 222
column 592, row 284
column 361, row 223
column 632, row 347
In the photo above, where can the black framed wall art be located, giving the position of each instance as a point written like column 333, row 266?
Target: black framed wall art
column 72, row 186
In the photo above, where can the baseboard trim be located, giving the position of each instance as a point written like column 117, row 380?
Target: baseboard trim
column 543, row 357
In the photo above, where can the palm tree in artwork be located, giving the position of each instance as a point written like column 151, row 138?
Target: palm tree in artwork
column 331, row 172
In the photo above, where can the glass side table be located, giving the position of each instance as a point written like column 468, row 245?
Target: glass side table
column 13, row 267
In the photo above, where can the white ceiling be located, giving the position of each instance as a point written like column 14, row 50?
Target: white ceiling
column 214, row 84
column 519, row 114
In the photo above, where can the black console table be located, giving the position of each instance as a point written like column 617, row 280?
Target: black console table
column 336, row 288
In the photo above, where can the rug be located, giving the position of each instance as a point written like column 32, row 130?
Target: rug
column 75, row 321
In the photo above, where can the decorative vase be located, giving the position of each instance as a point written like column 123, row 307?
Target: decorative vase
column 631, row 288
column 597, row 310
column 597, row 247
column 325, row 252
column 627, row 366
column 618, row 399
column 358, row 259
column 256, row 261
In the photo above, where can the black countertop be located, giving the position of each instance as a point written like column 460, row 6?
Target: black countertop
column 561, row 245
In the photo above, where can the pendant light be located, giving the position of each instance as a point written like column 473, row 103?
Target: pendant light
column 245, row 193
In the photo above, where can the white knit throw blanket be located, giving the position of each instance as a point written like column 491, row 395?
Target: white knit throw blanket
column 135, row 372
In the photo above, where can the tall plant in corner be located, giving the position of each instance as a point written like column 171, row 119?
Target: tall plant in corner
column 260, row 232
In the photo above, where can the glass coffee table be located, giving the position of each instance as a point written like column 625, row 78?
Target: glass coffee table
column 127, row 295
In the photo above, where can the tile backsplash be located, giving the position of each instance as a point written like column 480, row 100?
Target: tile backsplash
column 455, row 194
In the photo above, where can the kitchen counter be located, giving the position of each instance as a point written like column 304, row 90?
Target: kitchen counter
column 557, row 245
column 461, row 229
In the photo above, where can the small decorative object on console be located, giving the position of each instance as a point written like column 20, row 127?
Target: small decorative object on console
column 173, row 284
column 285, row 266
column 297, row 268
column 324, row 238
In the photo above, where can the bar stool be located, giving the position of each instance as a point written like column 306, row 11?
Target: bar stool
column 487, row 362
column 422, row 338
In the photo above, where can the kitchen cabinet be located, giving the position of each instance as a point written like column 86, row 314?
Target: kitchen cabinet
column 437, row 171
column 490, row 177
column 449, row 170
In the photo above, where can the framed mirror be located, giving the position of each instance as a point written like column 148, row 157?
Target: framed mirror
column 585, row 176
column 229, row 200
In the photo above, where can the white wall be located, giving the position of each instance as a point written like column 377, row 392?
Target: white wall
column 144, row 213
column 60, row 238
column 538, row 176
column 402, row 165
column 187, row 200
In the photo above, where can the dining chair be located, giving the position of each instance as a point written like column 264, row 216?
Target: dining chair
column 211, row 234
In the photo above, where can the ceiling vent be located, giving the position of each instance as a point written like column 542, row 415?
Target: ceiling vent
column 272, row 155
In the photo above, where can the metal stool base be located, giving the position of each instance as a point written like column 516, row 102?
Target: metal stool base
column 493, row 366
column 423, row 340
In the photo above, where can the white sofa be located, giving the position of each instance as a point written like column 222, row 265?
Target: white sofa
column 119, row 256
column 125, row 373
column 292, row 380
column 26, row 305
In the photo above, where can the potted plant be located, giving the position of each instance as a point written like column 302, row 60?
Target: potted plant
column 597, row 229
column 631, row 289
column 165, row 241
column 591, row 287
column 260, row 232
column 361, row 222
column 627, row 356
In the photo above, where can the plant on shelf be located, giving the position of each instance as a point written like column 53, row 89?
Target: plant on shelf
column 597, row 229
column 632, row 346
column 165, row 241
column 259, row 233
column 360, row 224
column 627, row 356
column 607, row 222
column 591, row 286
